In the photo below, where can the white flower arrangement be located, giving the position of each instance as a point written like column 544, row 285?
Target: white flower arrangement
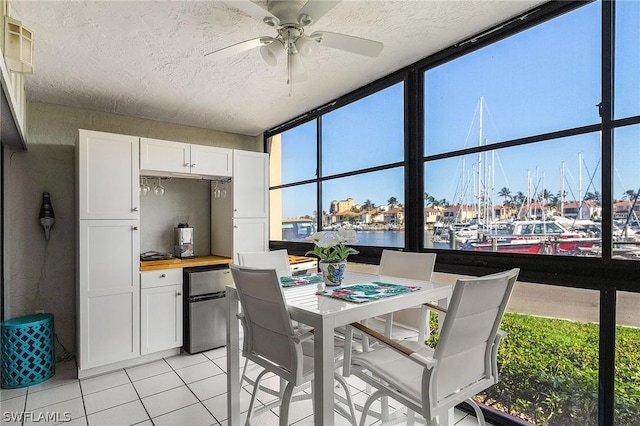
column 331, row 245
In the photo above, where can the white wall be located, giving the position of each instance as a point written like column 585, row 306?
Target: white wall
column 40, row 274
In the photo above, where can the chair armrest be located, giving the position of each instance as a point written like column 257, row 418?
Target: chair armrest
column 299, row 338
column 410, row 353
column 435, row 307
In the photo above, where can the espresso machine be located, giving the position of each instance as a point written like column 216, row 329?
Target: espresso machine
column 183, row 236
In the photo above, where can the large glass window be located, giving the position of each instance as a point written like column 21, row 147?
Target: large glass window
column 627, row 63
column 541, row 80
column 626, row 193
column 357, row 140
column 365, row 133
column 541, row 198
column 370, row 203
column 627, row 370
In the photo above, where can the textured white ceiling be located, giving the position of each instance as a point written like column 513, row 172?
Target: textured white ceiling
column 146, row 58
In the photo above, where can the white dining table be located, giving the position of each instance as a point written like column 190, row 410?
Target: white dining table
column 324, row 314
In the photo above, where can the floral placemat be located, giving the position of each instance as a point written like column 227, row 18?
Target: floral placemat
column 301, row 280
column 360, row 293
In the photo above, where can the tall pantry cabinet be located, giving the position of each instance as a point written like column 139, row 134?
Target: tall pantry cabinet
column 108, row 249
column 239, row 223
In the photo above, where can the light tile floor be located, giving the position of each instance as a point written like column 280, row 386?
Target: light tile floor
column 184, row 390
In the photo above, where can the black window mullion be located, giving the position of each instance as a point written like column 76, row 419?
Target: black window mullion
column 607, row 331
column 414, row 165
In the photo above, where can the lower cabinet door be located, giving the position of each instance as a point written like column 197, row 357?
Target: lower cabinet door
column 161, row 318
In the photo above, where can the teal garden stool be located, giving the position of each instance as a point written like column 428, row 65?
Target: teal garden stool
column 27, row 350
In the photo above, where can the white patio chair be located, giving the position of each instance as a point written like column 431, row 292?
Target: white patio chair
column 411, row 323
column 271, row 342
column 432, row 382
column 275, row 259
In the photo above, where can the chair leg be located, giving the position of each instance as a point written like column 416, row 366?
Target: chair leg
column 476, row 408
column 352, row 410
column 284, row 407
column 367, row 405
column 253, row 396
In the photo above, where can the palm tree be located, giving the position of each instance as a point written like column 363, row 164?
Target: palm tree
column 429, row 200
column 367, row 205
column 631, row 194
column 505, row 193
column 392, row 201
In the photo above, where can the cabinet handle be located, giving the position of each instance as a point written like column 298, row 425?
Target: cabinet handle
column 235, row 226
column 135, row 228
column 193, row 165
column 178, row 293
column 135, row 209
column 187, row 165
column 163, row 276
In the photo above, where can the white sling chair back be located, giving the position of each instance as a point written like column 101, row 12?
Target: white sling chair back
column 270, row 339
column 275, row 259
column 432, row 382
column 409, row 323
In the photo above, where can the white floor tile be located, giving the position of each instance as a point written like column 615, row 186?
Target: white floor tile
column 13, row 408
column 185, row 360
column 193, row 415
column 80, row 421
column 209, row 387
column 12, row 393
column 216, row 353
column 61, row 412
column 125, row 414
column 164, row 402
column 199, row 371
column 53, row 396
column 109, row 398
column 105, row 381
column 145, row 423
column 63, row 376
column 157, row 384
column 218, row 404
column 148, row 370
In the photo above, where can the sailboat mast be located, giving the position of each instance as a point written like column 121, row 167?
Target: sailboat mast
column 562, row 189
column 479, row 197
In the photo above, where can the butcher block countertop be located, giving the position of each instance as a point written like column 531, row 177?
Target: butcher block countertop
column 153, row 265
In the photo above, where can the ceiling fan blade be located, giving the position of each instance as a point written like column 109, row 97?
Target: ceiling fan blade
column 255, row 11
column 361, row 46
column 314, row 10
column 240, row 47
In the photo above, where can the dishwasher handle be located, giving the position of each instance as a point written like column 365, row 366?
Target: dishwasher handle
column 205, row 297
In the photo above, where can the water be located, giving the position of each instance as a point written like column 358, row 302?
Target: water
column 386, row 238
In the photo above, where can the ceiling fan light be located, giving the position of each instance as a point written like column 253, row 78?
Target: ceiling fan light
column 297, row 66
column 271, row 52
column 306, row 46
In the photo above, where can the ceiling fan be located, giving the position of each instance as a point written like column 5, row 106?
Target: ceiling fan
column 290, row 18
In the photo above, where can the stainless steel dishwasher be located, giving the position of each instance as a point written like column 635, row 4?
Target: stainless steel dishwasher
column 205, row 309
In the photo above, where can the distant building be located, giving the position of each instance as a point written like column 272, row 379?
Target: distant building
column 584, row 210
column 432, row 215
column 342, row 205
column 459, row 213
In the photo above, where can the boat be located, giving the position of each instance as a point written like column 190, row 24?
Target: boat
column 533, row 237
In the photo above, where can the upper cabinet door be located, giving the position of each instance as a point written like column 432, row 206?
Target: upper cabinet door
column 211, row 161
column 250, row 184
column 108, row 176
column 165, row 156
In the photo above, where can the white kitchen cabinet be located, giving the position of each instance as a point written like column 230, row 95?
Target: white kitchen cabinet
column 107, row 176
column 183, row 159
column 160, row 310
column 250, row 184
column 239, row 222
column 108, row 283
column 108, row 292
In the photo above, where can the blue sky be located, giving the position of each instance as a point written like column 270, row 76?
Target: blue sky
column 541, row 80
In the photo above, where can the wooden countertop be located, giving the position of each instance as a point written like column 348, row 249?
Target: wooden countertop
column 153, row 265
